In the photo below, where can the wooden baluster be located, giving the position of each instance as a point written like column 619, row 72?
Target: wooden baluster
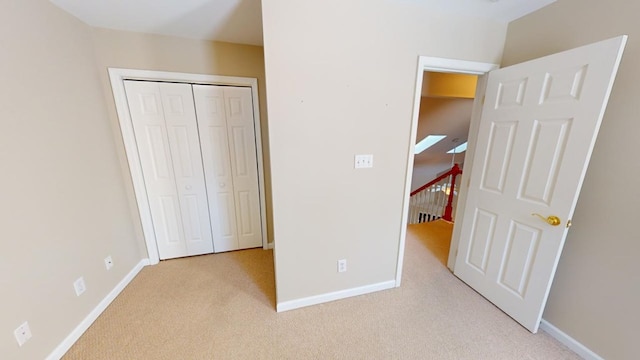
column 431, row 200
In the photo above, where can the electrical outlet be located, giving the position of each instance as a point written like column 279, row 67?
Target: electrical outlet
column 79, row 286
column 22, row 333
column 342, row 265
column 108, row 262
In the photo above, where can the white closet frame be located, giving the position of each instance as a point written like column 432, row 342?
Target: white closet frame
column 117, row 77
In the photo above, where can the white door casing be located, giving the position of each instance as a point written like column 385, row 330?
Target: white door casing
column 536, row 134
column 164, row 121
column 429, row 63
column 227, row 136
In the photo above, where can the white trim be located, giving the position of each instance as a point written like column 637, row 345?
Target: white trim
column 66, row 344
column 427, row 63
column 336, row 295
column 270, row 246
column 568, row 341
column 117, row 77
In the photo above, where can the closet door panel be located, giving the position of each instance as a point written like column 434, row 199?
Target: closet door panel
column 168, row 224
column 244, row 168
column 214, row 143
column 184, row 143
column 145, row 107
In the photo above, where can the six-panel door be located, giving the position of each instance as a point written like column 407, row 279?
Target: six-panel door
column 537, row 130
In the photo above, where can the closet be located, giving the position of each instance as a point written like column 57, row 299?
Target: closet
column 197, row 150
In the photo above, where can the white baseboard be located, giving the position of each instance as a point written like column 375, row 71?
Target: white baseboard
column 568, row 341
column 66, row 344
column 270, row 246
column 337, row 295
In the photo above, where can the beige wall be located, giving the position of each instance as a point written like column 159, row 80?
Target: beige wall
column 437, row 116
column 123, row 49
column 63, row 207
column 67, row 201
column 341, row 81
column 436, row 84
column 596, row 291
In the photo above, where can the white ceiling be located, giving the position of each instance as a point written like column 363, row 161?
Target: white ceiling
column 240, row 21
column 237, row 21
column 499, row 10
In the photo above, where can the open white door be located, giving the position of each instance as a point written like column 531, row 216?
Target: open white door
column 536, row 134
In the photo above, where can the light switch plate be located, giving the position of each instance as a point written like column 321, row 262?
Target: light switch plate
column 363, row 161
column 342, row 265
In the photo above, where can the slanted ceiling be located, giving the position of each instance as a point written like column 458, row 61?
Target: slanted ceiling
column 235, row 21
column 240, row 21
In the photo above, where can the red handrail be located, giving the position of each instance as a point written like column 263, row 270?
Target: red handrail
column 454, row 170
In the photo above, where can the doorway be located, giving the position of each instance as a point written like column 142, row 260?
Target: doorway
column 446, row 105
column 451, row 66
column 533, row 145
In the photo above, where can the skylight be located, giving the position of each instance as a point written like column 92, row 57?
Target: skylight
column 458, row 149
column 428, row 142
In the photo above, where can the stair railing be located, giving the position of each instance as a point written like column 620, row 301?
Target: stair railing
column 435, row 199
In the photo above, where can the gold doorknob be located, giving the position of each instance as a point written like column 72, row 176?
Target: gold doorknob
column 551, row 219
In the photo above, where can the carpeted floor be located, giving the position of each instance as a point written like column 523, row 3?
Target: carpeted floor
column 222, row 307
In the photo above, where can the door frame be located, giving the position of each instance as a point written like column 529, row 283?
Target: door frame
column 444, row 65
column 117, row 77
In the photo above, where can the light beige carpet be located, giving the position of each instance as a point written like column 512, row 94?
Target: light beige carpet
column 222, row 307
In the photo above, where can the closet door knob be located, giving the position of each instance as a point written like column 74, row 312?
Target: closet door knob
column 222, row 184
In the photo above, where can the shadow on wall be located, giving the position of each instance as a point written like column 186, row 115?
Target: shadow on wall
column 226, row 21
column 440, row 116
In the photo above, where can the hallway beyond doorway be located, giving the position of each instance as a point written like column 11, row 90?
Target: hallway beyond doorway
column 435, row 236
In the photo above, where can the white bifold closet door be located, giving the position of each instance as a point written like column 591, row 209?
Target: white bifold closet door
column 164, row 122
column 196, row 145
column 227, row 135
